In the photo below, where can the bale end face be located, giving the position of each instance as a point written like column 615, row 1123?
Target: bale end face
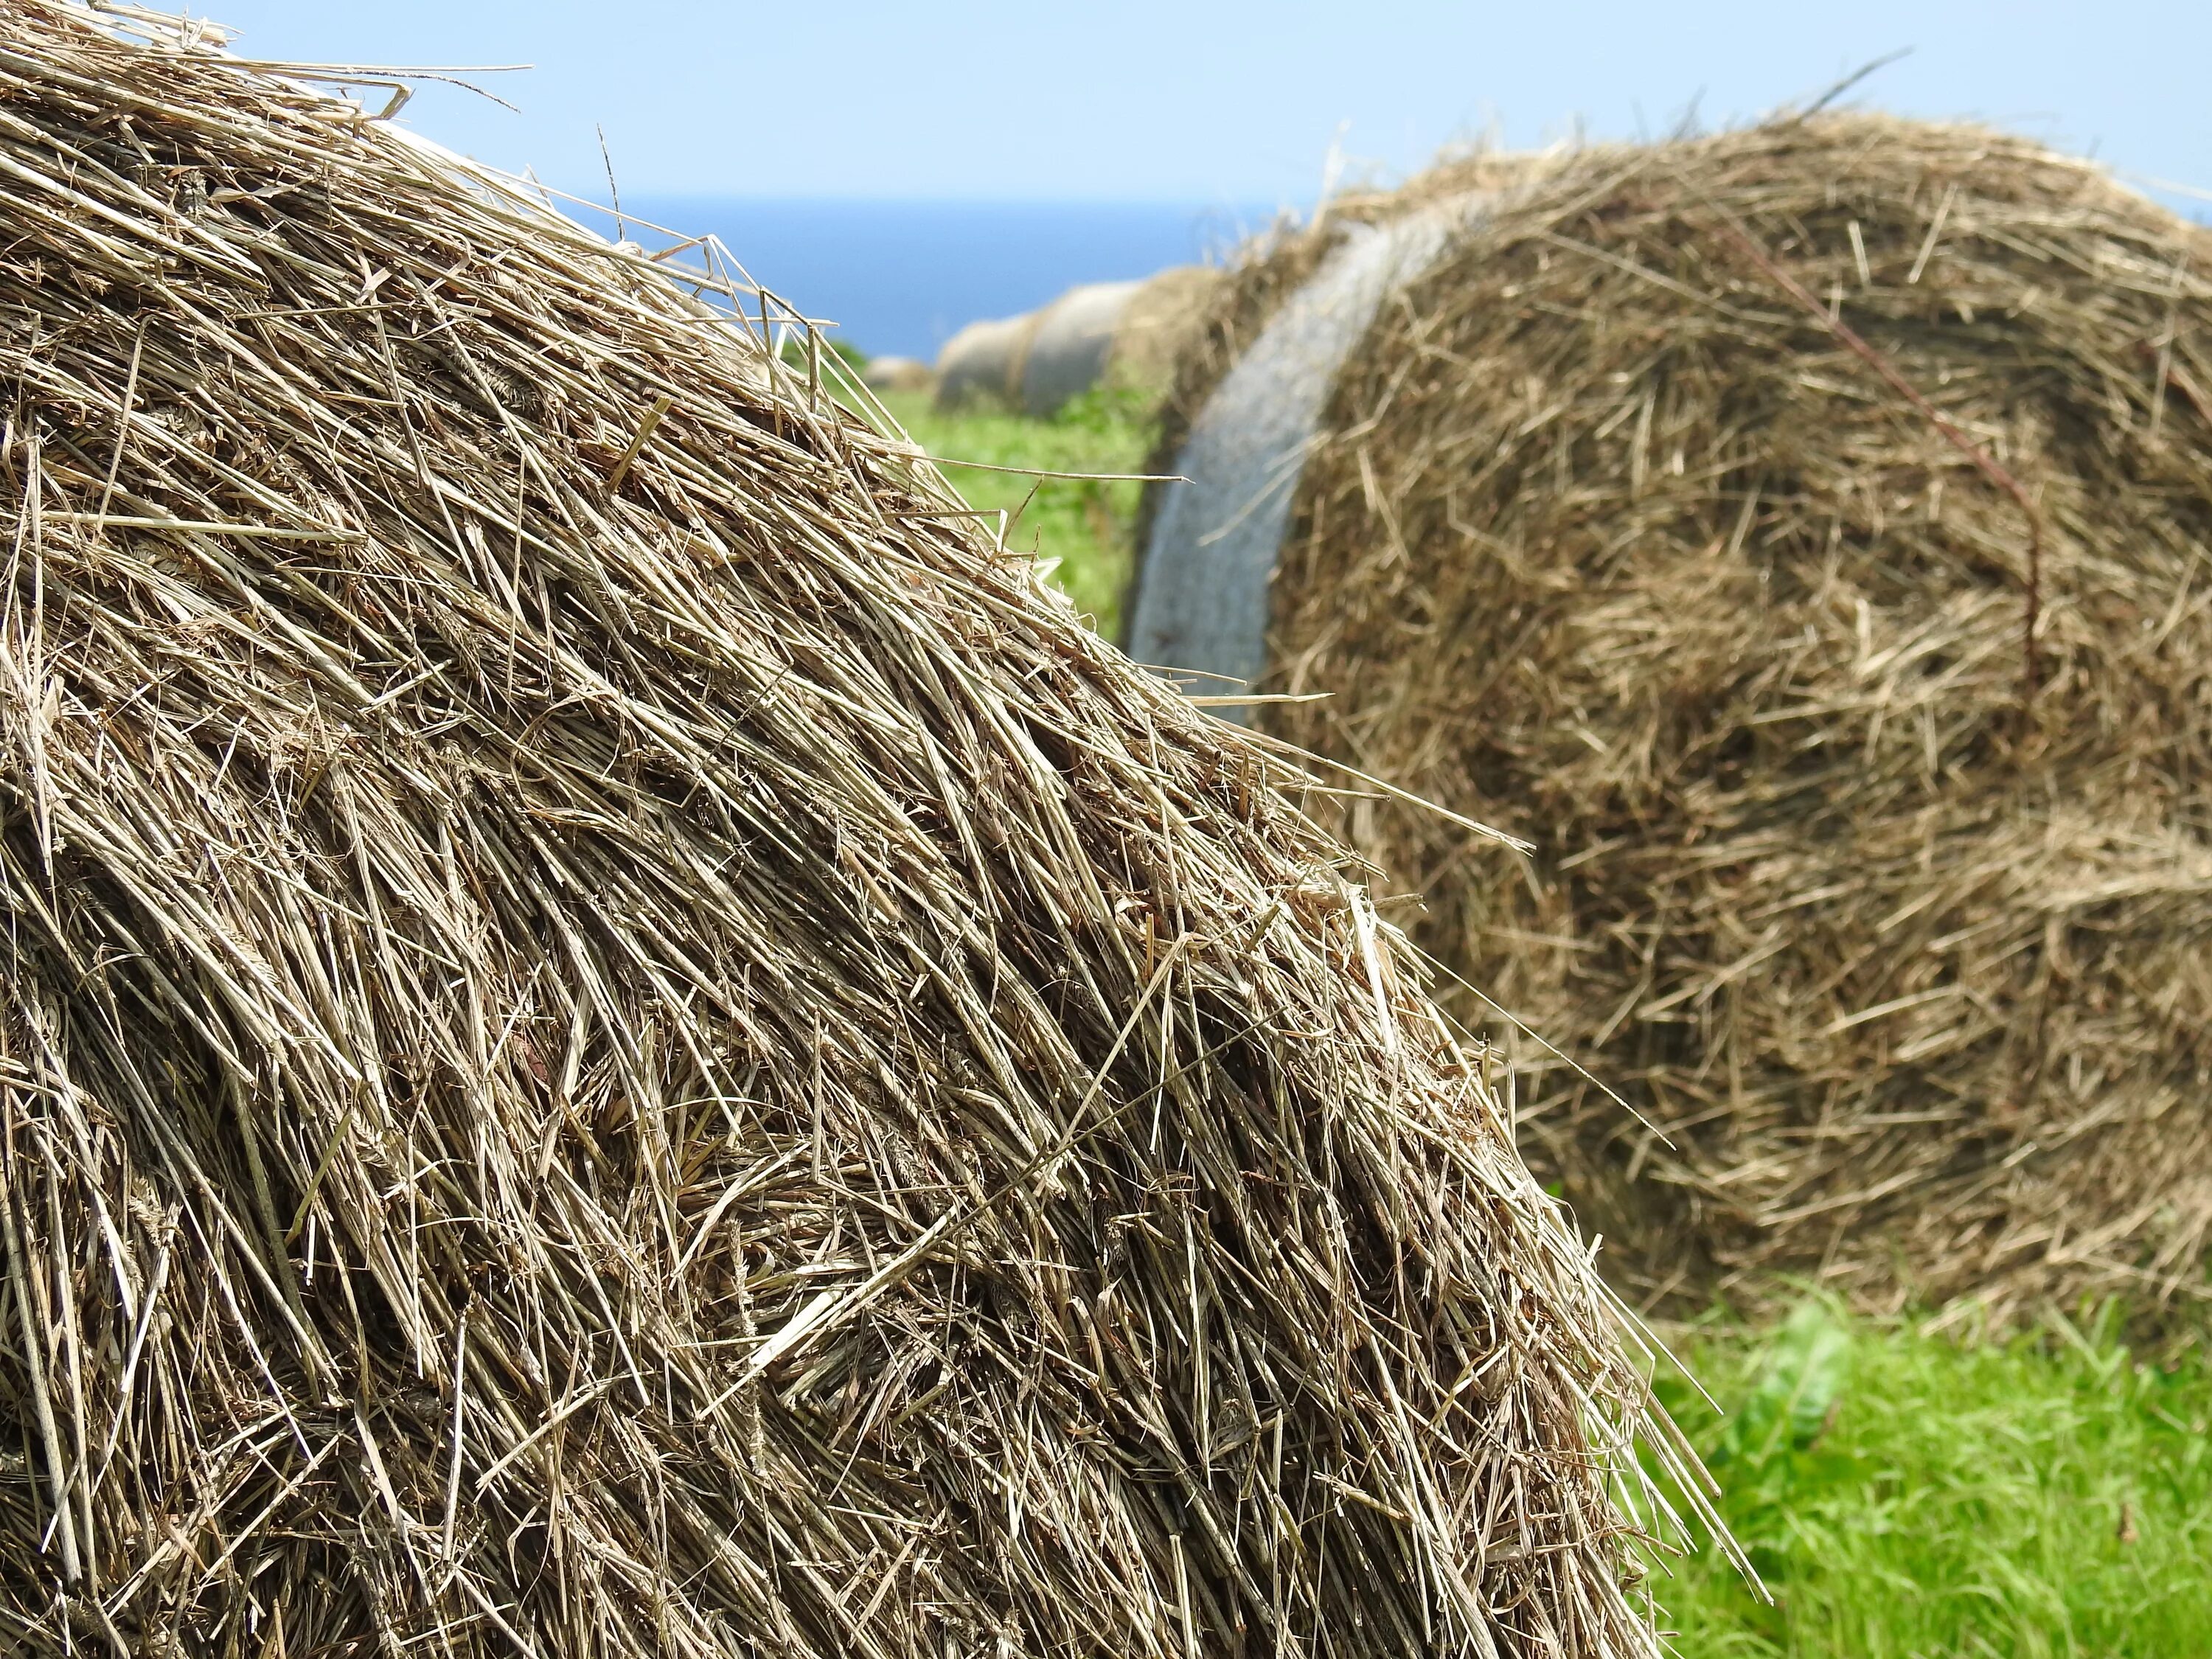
column 1869, row 790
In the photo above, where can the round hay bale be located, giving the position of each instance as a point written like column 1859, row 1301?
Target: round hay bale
column 982, row 363
column 620, row 1038
column 1069, row 347
column 1686, row 515
column 1157, row 326
column 1125, row 335
column 897, row 374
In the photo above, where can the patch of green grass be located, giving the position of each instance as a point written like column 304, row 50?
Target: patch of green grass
column 1081, row 529
column 1906, row 1494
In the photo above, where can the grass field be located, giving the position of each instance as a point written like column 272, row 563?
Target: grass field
column 1905, row 1494
column 1908, row 1494
column 1080, row 526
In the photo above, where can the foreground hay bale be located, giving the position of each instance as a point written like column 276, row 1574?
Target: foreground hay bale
column 620, row 1038
column 1609, row 536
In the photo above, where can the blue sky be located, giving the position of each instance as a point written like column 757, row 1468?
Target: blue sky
column 1217, row 100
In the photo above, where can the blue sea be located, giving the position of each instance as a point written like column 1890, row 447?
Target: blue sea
column 902, row 277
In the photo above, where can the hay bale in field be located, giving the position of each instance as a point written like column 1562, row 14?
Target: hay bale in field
column 1124, row 335
column 1157, row 327
column 1128, row 335
column 619, row 1036
column 982, row 363
column 1069, row 346
column 897, row 374
column 1668, row 518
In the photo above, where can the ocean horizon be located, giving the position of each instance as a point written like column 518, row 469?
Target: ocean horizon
column 902, row 277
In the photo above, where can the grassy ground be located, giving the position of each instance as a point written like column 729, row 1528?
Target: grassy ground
column 1084, row 525
column 1904, row 1494
column 1908, row 1494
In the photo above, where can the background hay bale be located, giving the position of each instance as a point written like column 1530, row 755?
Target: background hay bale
column 1069, row 347
column 1611, row 541
column 1274, row 264
column 1126, row 335
column 1155, row 328
column 1150, row 325
column 620, row 1038
column 898, row 374
column 982, row 363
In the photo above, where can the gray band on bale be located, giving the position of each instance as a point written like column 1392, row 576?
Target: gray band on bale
column 619, row 1037
column 1799, row 536
column 1202, row 586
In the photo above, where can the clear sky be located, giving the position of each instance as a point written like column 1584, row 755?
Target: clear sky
column 1219, row 101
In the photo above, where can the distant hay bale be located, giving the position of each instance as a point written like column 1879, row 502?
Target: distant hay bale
column 1123, row 335
column 1126, row 334
column 620, row 1038
column 1607, row 535
column 982, row 363
column 1157, row 327
column 1069, row 345
column 897, row 374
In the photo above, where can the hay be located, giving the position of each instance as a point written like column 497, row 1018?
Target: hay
column 898, row 374
column 1228, row 317
column 1127, row 335
column 1900, row 937
column 1157, row 327
column 620, row 1038
column 982, row 364
column 1069, row 347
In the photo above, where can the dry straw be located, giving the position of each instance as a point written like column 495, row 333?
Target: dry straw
column 1800, row 535
column 620, row 1038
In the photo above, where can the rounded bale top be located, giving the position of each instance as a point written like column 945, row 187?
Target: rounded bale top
column 620, row 1038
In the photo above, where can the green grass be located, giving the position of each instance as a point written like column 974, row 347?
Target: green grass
column 1904, row 1494
column 1083, row 525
